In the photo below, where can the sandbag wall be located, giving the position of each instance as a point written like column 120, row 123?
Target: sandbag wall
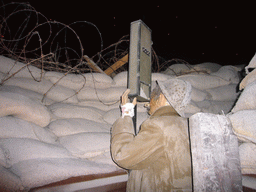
column 50, row 120
column 214, row 87
column 243, row 119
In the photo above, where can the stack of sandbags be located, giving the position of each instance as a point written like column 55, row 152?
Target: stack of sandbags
column 214, row 87
column 64, row 135
column 68, row 118
column 243, row 119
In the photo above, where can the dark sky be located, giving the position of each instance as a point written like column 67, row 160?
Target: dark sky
column 203, row 32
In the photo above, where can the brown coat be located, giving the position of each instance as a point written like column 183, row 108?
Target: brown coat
column 158, row 158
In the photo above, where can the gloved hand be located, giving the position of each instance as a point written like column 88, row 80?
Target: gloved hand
column 127, row 108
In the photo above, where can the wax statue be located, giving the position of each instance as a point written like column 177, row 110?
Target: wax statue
column 158, row 157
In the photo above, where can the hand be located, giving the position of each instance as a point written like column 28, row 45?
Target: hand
column 127, row 108
column 124, row 98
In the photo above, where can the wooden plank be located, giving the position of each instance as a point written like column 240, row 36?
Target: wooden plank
column 93, row 65
column 215, row 154
column 117, row 65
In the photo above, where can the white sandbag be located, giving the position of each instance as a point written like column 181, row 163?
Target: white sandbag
column 112, row 115
column 86, row 145
column 10, row 181
column 27, row 93
column 10, row 66
column 11, row 127
column 251, row 65
column 56, row 93
column 224, row 93
column 71, row 81
column 39, row 172
column 229, row 73
column 199, row 95
column 177, row 69
column 63, row 127
column 246, row 100
column 104, row 95
column 181, row 69
column 63, row 111
column 100, row 105
column 120, row 80
column 98, row 80
column 191, row 109
column 216, row 107
column 207, row 66
column 204, row 81
column 17, row 149
column 160, row 77
column 104, row 158
column 24, row 108
column 248, row 79
column 247, row 152
column 244, row 125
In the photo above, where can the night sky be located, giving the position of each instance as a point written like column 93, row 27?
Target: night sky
column 203, row 32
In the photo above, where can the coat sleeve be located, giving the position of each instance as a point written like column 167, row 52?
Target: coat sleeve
column 135, row 152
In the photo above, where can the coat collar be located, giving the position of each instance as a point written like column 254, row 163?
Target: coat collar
column 164, row 111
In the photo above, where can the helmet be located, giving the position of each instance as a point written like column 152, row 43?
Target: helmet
column 177, row 93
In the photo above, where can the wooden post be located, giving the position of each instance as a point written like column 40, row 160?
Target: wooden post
column 117, row 64
column 215, row 155
column 93, row 65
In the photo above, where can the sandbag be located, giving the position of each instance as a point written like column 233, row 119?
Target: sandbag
column 191, row 109
column 199, row 95
column 56, row 93
column 181, row 69
column 63, row 111
column 100, row 105
column 27, row 93
column 98, row 80
column 120, row 80
column 17, row 149
column 63, row 127
column 24, row 108
column 10, row 181
column 11, row 127
column 104, row 95
column 248, row 79
column 204, row 81
column 55, row 169
column 229, row 73
column 71, row 81
column 244, row 125
column 160, row 77
column 246, row 100
column 177, row 69
column 223, row 93
column 86, row 145
column 215, row 107
column 10, row 66
column 247, row 153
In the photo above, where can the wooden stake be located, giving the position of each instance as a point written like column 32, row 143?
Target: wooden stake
column 117, row 65
column 93, row 65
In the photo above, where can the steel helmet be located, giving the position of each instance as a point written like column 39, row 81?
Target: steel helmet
column 177, row 93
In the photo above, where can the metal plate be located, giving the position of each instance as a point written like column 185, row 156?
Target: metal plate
column 139, row 77
column 215, row 154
